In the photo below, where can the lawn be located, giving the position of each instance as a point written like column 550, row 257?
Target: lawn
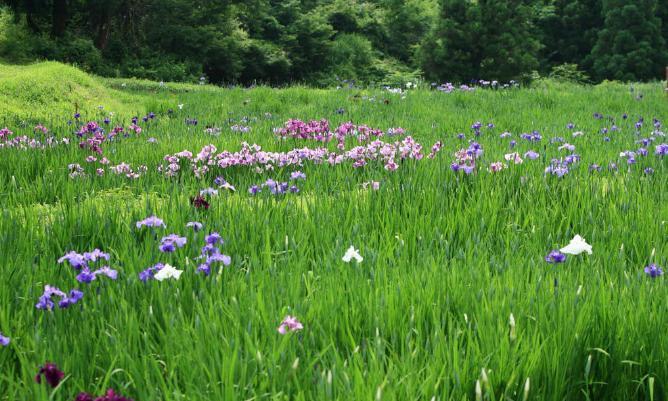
column 453, row 298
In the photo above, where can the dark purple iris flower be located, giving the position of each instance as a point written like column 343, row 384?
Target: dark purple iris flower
column 110, row 395
column 199, row 202
column 51, row 373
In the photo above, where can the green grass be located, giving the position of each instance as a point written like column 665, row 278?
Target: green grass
column 447, row 258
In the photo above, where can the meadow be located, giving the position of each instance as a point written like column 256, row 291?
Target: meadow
column 454, row 210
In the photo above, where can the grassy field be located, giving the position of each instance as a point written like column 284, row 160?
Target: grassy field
column 453, row 299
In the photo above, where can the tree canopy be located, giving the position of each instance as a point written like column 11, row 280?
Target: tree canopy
column 327, row 42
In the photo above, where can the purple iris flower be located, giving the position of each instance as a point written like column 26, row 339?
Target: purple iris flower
column 204, row 268
column 531, row 155
column 297, row 175
column 150, row 272
column 213, row 238
column 294, row 189
column 86, row 276
column 253, row 190
column 107, row 271
column 555, row 257
column 169, row 243
column 649, row 171
column 46, row 303
column 151, row 221
column 220, row 258
column 195, row 225
column 661, row 150
column 73, row 297
column 653, row 270
column 4, row 341
column 95, row 255
column 219, row 181
column 76, row 260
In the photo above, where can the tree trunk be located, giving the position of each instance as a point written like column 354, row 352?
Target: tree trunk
column 30, row 17
column 59, row 18
column 103, row 30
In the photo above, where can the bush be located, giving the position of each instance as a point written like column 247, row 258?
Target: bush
column 569, row 73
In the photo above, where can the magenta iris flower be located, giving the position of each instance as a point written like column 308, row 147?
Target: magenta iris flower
column 110, row 395
column 289, row 324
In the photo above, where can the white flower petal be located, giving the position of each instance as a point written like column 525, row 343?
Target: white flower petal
column 168, row 272
column 351, row 254
column 577, row 246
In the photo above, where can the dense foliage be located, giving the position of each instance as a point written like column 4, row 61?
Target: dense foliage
column 324, row 42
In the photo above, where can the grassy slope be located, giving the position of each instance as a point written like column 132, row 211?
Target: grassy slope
column 447, row 258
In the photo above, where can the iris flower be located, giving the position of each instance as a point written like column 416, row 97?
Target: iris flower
column 577, row 246
column 151, row 221
column 51, row 373
column 167, row 272
column 351, row 254
column 653, row 270
column 289, row 324
column 555, row 257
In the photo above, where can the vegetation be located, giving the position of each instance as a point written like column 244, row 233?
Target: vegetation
column 453, row 298
column 327, row 42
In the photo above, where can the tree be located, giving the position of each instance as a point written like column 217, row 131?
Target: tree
column 508, row 39
column 630, row 46
column 449, row 53
column 569, row 31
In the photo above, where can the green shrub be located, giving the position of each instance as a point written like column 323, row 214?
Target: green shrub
column 569, row 73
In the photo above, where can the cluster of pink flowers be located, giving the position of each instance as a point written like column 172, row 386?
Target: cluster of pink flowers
column 5, row 133
column 254, row 156
column 77, row 171
column 319, row 130
column 465, row 159
column 24, row 142
column 316, row 130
